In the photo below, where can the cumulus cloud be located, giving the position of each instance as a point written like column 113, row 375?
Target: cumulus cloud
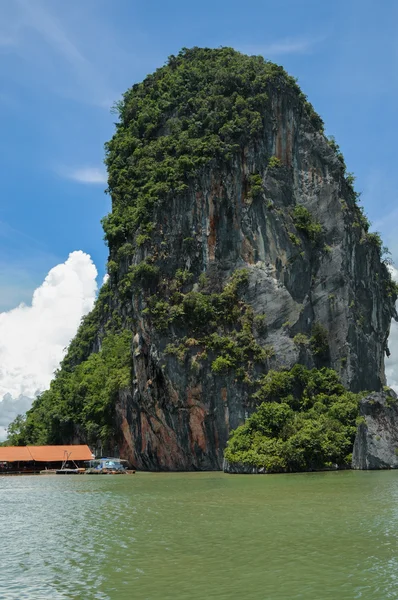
column 392, row 361
column 33, row 338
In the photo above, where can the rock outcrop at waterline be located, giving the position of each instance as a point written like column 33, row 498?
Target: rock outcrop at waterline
column 242, row 469
column 236, row 246
column 376, row 442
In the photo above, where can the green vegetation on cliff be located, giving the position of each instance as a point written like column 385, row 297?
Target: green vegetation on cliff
column 81, row 399
column 306, row 420
column 220, row 325
column 203, row 107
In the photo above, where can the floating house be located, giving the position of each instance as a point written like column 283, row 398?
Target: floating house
column 33, row 459
column 107, row 464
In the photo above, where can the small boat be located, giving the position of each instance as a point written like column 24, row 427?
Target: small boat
column 67, row 472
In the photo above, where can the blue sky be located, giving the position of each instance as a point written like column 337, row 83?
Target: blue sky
column 63, row 64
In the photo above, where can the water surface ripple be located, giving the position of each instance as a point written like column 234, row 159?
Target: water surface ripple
column 320, row 536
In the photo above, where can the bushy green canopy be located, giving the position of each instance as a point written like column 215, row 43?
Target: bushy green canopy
column 306, row 420
column 81, row 397
column 203, row 105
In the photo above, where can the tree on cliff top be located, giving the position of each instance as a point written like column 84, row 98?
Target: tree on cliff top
column 204, row 105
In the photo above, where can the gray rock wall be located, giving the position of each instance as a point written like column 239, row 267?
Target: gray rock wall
column 376, row 442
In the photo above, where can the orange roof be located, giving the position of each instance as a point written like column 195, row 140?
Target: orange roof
column 58, row 453
column 14, row 454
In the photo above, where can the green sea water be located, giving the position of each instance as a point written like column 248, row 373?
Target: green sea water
column 194, row 536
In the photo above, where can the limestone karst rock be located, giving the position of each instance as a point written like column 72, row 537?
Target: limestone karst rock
column 376, row 442
column 236, row 245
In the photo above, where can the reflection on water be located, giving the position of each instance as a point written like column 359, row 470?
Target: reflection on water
column 321, row 536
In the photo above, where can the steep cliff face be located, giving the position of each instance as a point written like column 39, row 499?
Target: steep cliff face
column 376, row 443
column 236, row 246
column 178, row 417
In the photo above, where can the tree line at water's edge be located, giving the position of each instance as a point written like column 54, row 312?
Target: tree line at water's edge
column 81, row 399
column 305, row 418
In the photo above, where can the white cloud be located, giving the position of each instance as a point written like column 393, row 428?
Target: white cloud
column 33, row 338
column 392, row 361
column 85, row 175
column 34, row 31
column 9, row 408
column 283, row 47
column 50, row 28
column 6, row 40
